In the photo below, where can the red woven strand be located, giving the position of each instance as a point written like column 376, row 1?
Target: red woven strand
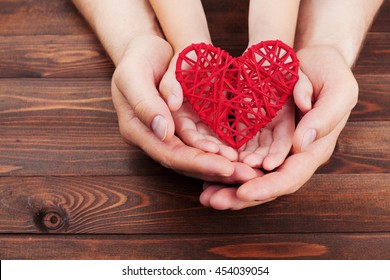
column 237, row 97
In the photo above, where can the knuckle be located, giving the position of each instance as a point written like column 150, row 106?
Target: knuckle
column 141, row 108
column 118, row 75
column 127, row 135
column 167, row 163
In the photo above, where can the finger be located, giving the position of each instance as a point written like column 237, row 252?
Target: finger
column 303, row 91
column 173, row 153
column 138, row 86
column 170, row 88
column 282, row 139
column 284, row 181
column 222, row 197
column 195, row 133
column 207, row 193
column 188, row 132
column 241, row 174
column 333, row 105
column 335, row 92
column 294, row 173
column 257, row 149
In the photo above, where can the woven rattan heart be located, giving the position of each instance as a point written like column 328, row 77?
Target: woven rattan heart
column 237, row 97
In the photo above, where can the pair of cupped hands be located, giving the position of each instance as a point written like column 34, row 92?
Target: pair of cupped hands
column 281, row 158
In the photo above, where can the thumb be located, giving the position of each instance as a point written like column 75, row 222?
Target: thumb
column 302, row 93
column 334, row 104
column 170, row 88
column 139, row 89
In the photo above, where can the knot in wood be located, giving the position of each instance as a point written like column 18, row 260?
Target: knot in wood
column 50, row 219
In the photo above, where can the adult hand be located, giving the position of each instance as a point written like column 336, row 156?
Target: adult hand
column 146, row 121
column 334, row 95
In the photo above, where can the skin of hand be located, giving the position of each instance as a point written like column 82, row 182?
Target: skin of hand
column 134, row 90
column 177, row 17
column 130, row 34
column 270, row 147
column 330, row 75
column 327, row 50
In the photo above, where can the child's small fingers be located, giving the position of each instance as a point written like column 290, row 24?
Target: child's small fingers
column 282, row 143
column 257, row 148
column 255, row 159
column 208, row 191
column 192, row 137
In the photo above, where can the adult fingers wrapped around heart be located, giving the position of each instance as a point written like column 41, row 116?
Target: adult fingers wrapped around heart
column 237, row 97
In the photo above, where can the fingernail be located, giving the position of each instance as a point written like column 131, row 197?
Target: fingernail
column 160, row 127
column 309, row 138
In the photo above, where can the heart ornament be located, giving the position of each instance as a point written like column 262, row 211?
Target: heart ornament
column 237, row 97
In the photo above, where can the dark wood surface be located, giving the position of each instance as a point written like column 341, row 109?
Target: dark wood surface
column 70, row 188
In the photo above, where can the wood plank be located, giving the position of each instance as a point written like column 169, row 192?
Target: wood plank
column 363, row 147
column 60, row 150
column 51, row 102
column 27, row 101
column 31, row 17
column 374, row 57
column 64, row 127
column 258, row 246
column 21, row 17
column 28, row 17
column 69, row 127
column 166, row 205
column 373, row 98
column 77, row 56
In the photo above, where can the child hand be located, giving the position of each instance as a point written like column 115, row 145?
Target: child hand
column 189, row 127
column 270, row 147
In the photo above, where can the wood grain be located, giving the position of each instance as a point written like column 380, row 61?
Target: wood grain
column 62, row 127
column 169, row 205
column 28, row 101
column 56, row 151
column 29, row 17
column 71, row 188
column 374, row 57
column 65, row 56
column 373, row 98
column 78, row 56
column 69, row 127
column 192, row 247
column 363, row 147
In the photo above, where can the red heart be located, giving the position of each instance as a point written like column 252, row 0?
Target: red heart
column 236, row 97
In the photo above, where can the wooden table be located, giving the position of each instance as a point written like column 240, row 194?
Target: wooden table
column 70, row 188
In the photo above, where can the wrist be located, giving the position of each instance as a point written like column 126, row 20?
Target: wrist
column 347, row 50
column 179, row 45
column 116, row 25
column 339, row 24
column 265, row 36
